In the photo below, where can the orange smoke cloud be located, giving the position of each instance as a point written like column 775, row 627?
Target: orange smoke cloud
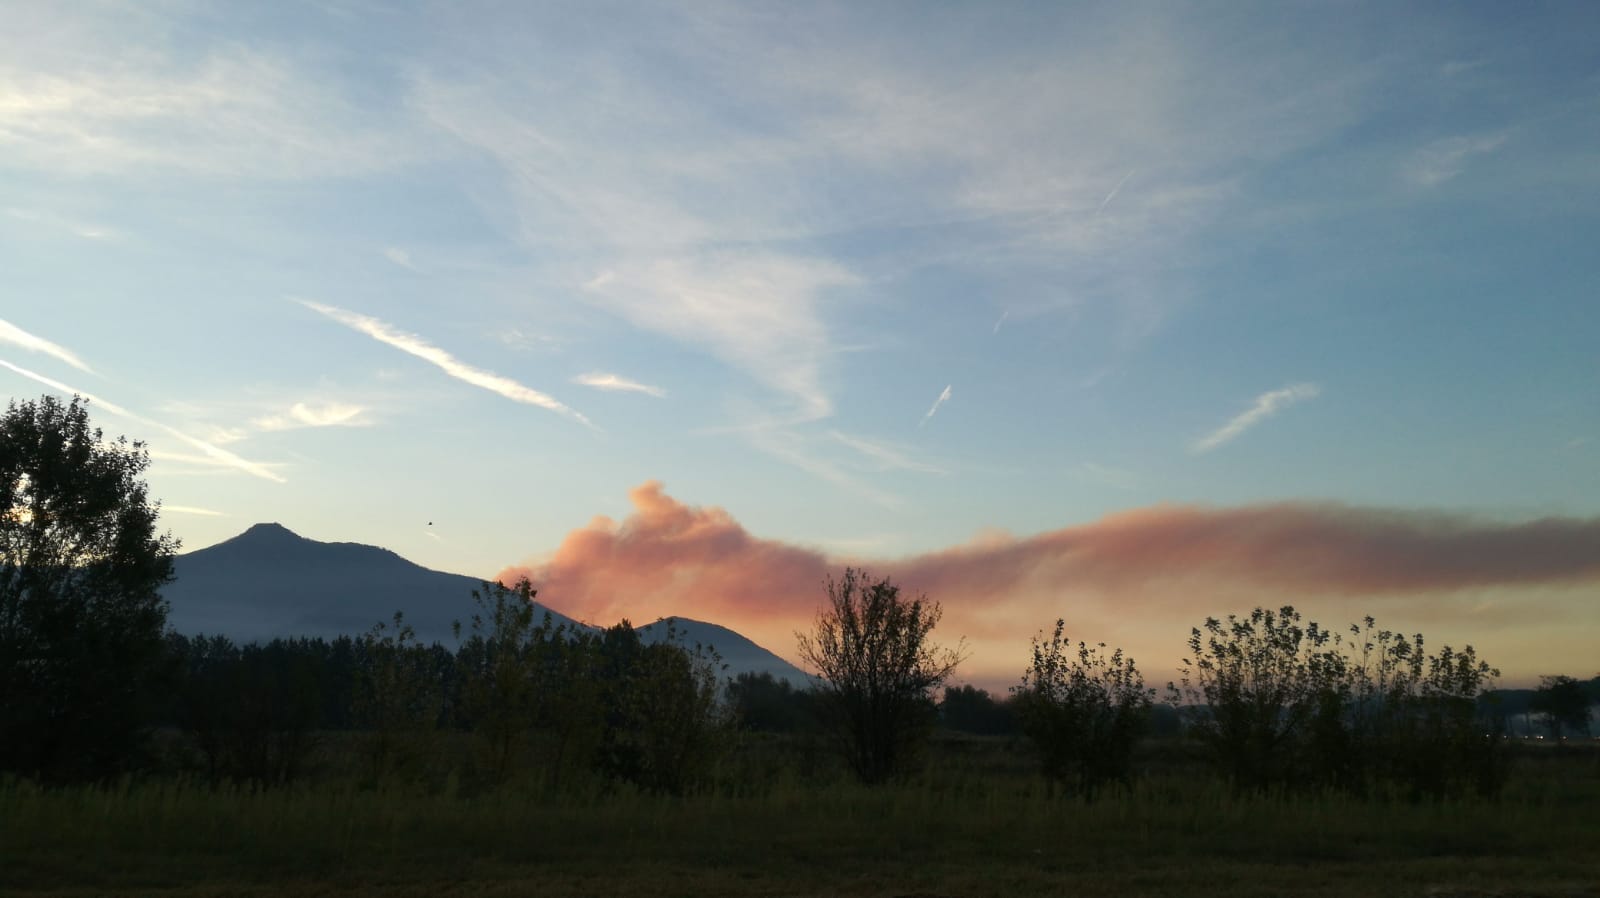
column 669, row 558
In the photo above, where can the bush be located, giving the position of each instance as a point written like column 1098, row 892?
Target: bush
column 1083, row 711
column 1281, row 705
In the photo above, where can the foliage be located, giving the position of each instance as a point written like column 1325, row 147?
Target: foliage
column 253, row 711
column 565, row 702
column 1563, row 702
column 1281, row 705
column 81, row 616
column 398, row 703
column 878, row 668
column 665, row 728
column 967, row 709
column 506, row 666
column 1255, row 686
column 1084, row 711
column 761, row 702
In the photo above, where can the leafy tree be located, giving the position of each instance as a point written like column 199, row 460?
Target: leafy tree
column 665, row 728
column 1285, row 705
column 878, row 668
column 1254, row 687
column 398, row 703
column 1083, row 710
column 764, row 703
column 968, row 709
column 81, row 616
column 502, row 674
column 1563, row 702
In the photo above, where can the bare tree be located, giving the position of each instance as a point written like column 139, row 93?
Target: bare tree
column 878, row 670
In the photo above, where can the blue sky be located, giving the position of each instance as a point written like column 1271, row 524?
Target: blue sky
column 356, row 267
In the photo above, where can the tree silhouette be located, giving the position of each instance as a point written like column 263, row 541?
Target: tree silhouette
column 1083, row 710
column 878, row 670
column 1564, row 704
column 81, row 616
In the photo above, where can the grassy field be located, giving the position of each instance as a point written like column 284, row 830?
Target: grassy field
column 969, row 833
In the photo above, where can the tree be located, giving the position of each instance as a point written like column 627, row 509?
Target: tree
column 398, row 702
column 665, row 729
column 501, row 674
column 81, row 615
column 878, row 670
column 1281, row 705
column 968, row 709
column 1256, row 689
column 1564, row 704
column 1083, row 711
column 764, row 703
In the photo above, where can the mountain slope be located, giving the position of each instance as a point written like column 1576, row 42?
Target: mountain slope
column 269, row 582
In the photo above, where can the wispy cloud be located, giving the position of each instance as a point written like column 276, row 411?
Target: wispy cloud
column 326, row 414
column 603, row 381
column 1443, row 160
column 449, row 364
column 799, row 451
column 1265, row 406
column 213, row 453
column 399, row 257
column 943, row 398
column 999, row 321
column 194, row 510
column 887, row 457
column 16, row 336
column 1113, row 194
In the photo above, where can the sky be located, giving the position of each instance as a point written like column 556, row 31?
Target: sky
column 1126, row 313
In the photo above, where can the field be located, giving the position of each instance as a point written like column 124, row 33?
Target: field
column 974, row 825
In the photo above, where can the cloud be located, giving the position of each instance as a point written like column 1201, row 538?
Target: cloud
column 326, row 414
column 213, row 454
column 1113, row 194
column 16, row 336
column 190, row 509
column 1444, row 159
column 1265, row 406
column 399, row 257
column 943, row 398
column 76, row 101
column 449, row 364
column 886, row 457
column 798, row 450
column 999, row 321
column 1164, row 564
column 603, row 381
column 756, row 311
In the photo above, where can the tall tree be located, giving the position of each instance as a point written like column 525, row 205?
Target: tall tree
column 879, row 668
column 81, row 615
column 1563, row 703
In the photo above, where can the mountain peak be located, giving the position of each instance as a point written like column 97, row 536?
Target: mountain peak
column 272, row 531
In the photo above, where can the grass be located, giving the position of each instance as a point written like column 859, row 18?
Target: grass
column 967, row 835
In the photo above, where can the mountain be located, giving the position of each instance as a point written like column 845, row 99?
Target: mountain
column 269, row 581
column 738, row 653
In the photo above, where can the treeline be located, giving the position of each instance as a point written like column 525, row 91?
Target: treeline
column 536, row 701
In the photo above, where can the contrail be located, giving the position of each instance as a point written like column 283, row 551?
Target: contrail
column 1113, row 194
column 221, row 455
column 10, row 333
column 449, row 364
column 943, row 398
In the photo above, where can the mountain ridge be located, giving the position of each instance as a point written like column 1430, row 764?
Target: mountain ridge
column 269, row 581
